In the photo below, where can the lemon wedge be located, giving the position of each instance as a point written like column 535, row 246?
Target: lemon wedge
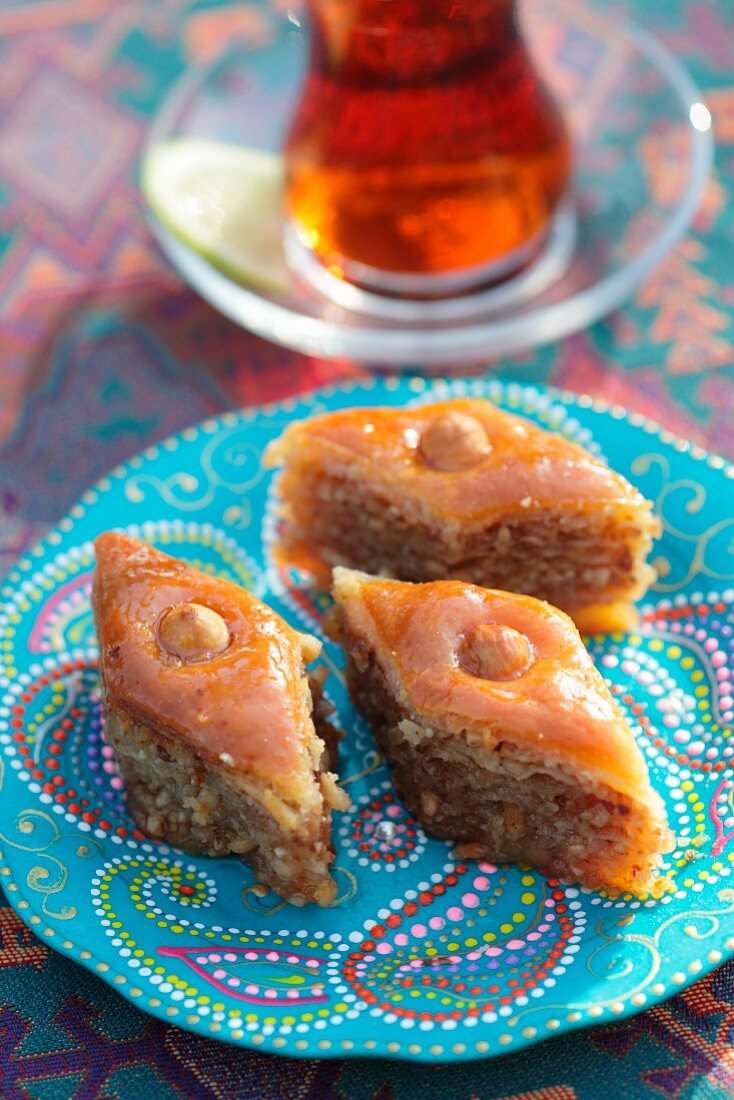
column 224, row 201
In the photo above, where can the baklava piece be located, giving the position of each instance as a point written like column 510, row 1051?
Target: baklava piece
column 464, row 490
column 501, row 733
column 220, row 734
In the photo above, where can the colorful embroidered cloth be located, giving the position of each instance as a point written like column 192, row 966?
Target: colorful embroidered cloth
column 105, row 350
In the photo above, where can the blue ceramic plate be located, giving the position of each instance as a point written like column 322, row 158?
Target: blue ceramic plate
column 423, row 957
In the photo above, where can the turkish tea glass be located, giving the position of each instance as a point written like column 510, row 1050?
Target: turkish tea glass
column 425, row 155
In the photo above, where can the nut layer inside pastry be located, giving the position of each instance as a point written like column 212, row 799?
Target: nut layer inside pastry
column 209, row 808
column 572, row 560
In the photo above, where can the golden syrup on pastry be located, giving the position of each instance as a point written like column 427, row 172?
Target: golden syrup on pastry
column 245, row 701
column 520, row 468
column 559, row 704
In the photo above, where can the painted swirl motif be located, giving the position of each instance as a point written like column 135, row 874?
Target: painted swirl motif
column 228, row 461
column 258, row 975
column 444, row 957
column 285, row 971
column 59, row 748
column 693, row 549
column 379, row 834
column 38, row 835
column 636, row 971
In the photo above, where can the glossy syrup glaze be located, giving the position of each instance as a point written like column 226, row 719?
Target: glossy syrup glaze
column 244, row 704
column 523, row 469
column 558, row 707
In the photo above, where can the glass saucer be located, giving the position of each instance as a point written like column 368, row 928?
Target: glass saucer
column 643, row 154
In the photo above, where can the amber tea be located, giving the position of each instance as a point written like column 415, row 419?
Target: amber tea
column 425, row 151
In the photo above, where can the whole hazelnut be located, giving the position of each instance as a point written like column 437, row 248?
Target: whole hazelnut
column 454, row 441
column 492, row 651
column 193, row 632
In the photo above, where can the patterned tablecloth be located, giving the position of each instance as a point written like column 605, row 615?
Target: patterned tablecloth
column 104, row 350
